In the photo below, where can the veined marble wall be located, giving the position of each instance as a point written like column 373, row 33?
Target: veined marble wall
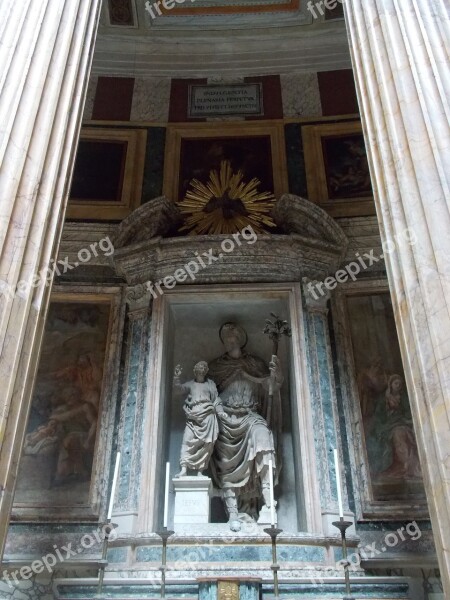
column 301, row 97
column 151, row 99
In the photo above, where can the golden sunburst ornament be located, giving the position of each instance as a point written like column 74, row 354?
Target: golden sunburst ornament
column 225, row 204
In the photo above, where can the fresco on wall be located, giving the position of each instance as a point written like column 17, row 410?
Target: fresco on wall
column 58, row 452
column 391, row 448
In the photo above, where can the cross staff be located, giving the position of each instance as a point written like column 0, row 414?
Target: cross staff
column 275, row 330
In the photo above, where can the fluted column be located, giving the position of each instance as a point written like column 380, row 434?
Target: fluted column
column 400, row 57
column 46, row 51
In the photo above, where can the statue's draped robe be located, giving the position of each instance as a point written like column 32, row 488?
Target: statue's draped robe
column 202, row 426
column 245, row 443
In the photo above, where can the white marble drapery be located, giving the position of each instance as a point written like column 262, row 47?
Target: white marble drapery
column 45, row 57
column 400, row 57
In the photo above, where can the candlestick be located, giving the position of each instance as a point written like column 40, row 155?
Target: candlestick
column 338, row 483
column 272, row 497
column 166, row 496
column 113, row 487
column 108, row 528
column 274, row 533
column 343, row 526
column 164, row 535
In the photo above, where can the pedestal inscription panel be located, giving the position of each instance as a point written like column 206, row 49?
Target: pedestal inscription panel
column 192, row 500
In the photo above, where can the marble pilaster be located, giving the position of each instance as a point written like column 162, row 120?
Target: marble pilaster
column 45, row 58
column 400, row 61
column 132, row 406
column 324, row 404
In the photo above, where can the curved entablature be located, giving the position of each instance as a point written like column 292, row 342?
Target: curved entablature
column 308, row 243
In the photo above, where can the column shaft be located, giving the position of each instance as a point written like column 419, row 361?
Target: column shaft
column 45, row 58
column 399, row 56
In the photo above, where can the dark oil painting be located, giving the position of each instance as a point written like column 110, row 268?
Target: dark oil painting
column 252, row 155
column 99, row 171
column 346, row 167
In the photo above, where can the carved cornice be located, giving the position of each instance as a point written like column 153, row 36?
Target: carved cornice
column 297, row 215
column 312, row 245
column 152, row 219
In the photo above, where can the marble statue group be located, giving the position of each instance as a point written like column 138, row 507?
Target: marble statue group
column 233, row 420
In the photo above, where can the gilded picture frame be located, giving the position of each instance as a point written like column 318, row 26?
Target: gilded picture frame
column 179, row 137
column 108, row 174
column 337, row 170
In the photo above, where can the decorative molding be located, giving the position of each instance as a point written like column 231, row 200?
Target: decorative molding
column 153, row 219
column 218, row 51
column 138, row 299
column 79, row 235
column 297, row 215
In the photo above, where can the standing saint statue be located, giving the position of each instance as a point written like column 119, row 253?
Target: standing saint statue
column 245, row 444
column 202, row 406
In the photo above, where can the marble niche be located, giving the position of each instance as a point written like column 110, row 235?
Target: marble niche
column 185, row 329
column 191, row 333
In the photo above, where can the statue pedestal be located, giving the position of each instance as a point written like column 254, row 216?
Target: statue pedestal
column 192, row 500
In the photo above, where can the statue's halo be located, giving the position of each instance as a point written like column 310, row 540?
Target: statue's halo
column 237, row 329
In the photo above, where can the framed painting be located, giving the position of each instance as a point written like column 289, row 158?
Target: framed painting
column 61, row 467
column 390, row 477
column 108, row 174
column 337, row 169
column 255, row 149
